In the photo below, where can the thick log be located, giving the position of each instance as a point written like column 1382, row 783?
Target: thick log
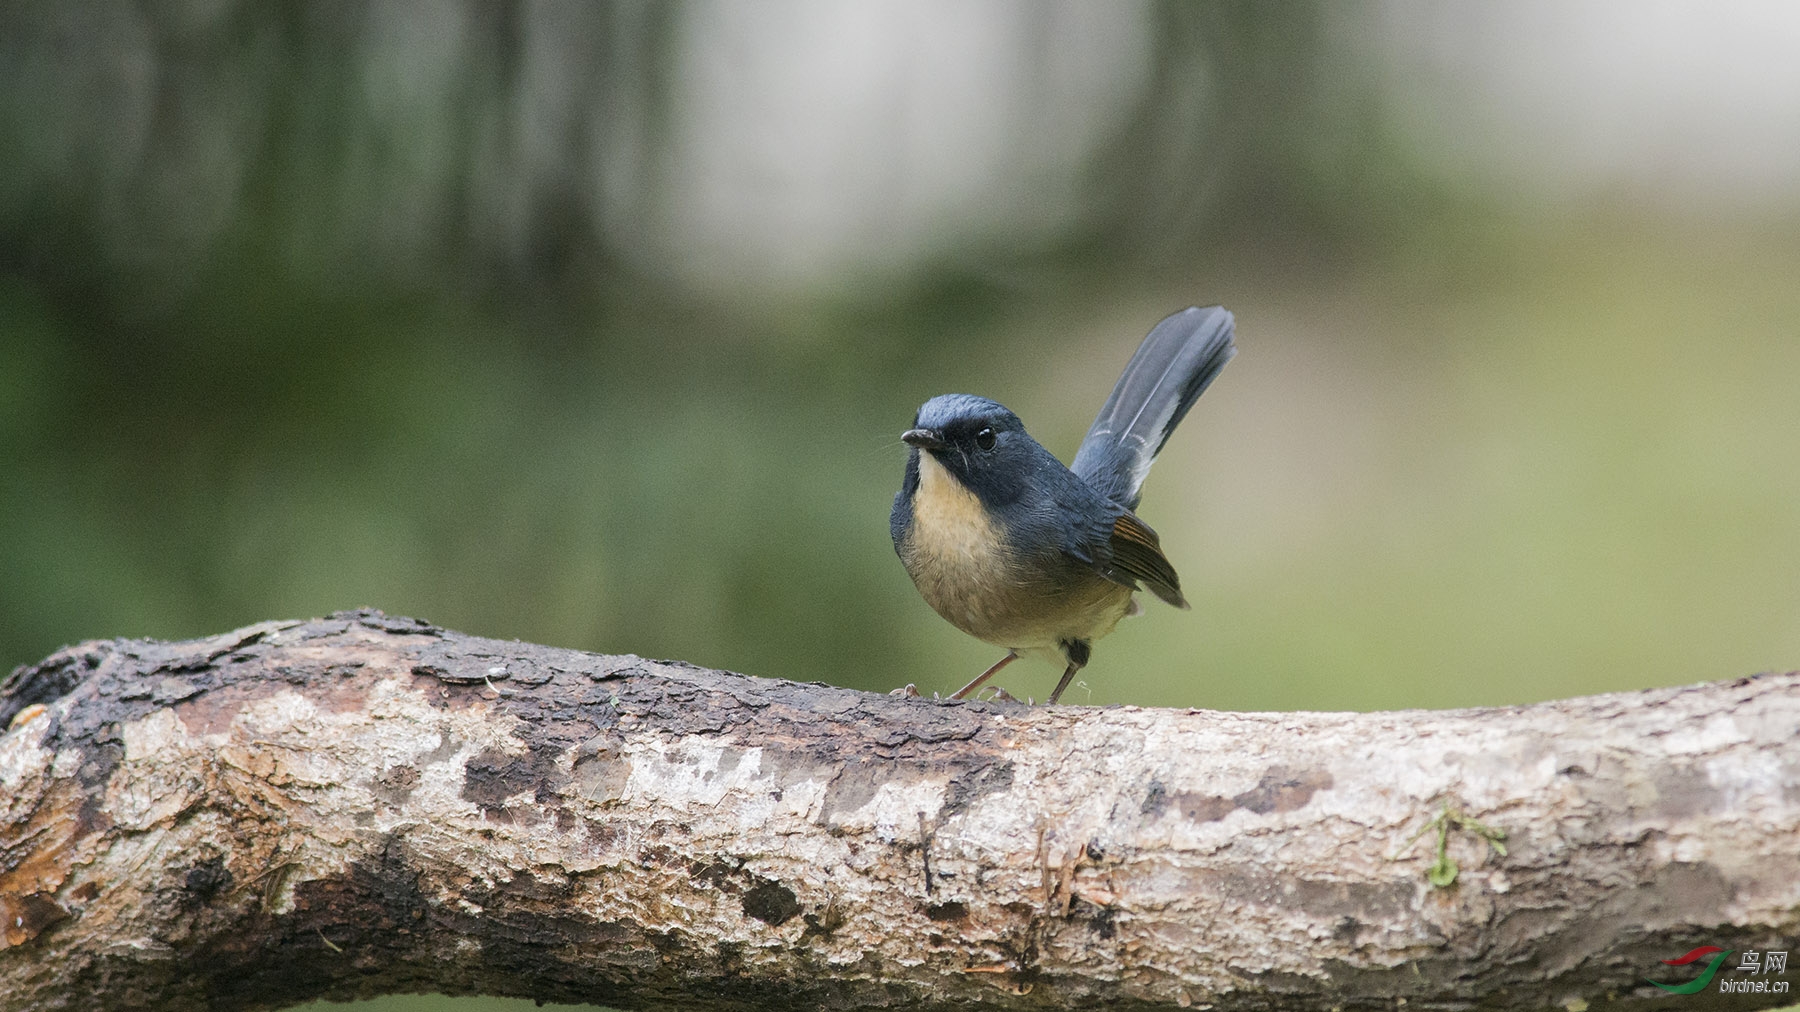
column 362, row 805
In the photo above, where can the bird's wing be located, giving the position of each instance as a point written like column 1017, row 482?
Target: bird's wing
column 1137, row 553
column 1126, row 551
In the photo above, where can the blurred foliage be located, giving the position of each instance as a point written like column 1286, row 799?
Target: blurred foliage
column 1472, row 452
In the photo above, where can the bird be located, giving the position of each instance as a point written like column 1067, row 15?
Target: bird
column 1019, row 551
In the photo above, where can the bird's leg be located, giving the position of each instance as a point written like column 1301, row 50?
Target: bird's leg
column 1011, row 656
column 1077, row 651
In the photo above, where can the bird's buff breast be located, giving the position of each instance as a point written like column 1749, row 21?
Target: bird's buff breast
column 967, row 571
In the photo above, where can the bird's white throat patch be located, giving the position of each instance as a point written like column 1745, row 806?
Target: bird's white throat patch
column 950, row 526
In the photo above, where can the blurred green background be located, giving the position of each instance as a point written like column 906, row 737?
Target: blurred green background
column 596, row 324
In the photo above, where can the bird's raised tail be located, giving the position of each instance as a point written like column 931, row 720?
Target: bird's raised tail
column 1170, row 370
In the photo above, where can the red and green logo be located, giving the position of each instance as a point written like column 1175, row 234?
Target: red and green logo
column 1699, row 983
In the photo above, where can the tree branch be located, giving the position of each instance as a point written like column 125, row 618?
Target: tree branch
column 363, row 805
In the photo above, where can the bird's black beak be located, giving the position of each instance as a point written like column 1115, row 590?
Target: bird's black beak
column 924, row 439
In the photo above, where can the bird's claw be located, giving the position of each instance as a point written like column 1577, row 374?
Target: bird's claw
column 907, row 691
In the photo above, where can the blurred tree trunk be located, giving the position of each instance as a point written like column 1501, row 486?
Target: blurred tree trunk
column 363, row 805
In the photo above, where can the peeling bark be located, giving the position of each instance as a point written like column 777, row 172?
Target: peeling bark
column 363, row 805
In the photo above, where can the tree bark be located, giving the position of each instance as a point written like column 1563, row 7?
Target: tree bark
column 362, row 805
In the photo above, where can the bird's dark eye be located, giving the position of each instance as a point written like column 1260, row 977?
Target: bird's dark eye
column 985, row 439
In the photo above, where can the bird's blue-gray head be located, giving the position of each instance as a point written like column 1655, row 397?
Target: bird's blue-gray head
column 977, row 440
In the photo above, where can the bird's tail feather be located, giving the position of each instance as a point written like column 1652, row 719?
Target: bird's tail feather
column 1172, row 367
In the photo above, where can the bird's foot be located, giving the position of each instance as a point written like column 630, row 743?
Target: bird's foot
column 907, row 691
